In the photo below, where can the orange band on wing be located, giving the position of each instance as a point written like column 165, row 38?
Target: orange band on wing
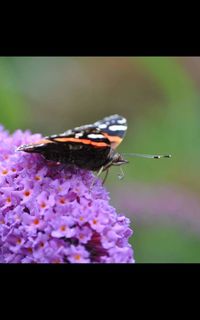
column 114, row 140
column 85, row 141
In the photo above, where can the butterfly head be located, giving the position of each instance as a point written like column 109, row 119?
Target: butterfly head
column 118, row 160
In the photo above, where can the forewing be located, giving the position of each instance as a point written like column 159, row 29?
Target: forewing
column 108, row 132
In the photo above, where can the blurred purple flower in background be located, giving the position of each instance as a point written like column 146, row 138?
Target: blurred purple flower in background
column 148, row 203
column 48, row 214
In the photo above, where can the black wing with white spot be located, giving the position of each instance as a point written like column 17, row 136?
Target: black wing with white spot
column 114, row 128
column 106, row 132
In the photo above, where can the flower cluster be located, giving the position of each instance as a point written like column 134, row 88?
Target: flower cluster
column 48, row 214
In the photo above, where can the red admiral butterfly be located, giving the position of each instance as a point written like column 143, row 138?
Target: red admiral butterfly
column 89, row 147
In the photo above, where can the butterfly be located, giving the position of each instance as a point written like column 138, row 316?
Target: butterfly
column 91, row 146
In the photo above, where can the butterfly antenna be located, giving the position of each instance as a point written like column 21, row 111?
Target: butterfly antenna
column 149, row 156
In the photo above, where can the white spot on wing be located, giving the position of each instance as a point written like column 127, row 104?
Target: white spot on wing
column 78, row 135
column 95, row 136
column 66, row 133
column 53, row 136
column 122, row 121
column 117, row 128
column 103, row 126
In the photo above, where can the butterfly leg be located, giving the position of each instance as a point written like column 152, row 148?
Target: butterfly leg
column 104, row 180
column 121, row 174
column 95, row 178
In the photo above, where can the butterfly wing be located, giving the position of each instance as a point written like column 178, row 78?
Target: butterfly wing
column 86, row 135
column 108, row 132
column 113, row 128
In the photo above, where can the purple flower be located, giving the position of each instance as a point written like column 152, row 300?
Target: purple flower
column 78, row 254
column 48, row 214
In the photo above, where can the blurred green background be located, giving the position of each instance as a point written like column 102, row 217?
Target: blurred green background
column 160, row 98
